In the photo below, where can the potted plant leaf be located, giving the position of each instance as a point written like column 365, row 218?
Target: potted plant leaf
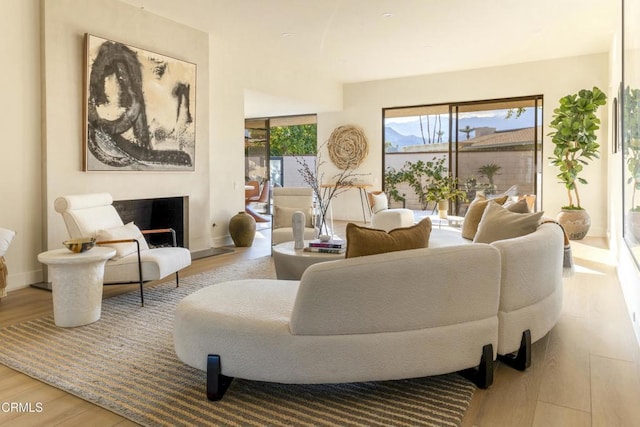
column 431, row 182
column 444, row 189
column 575, row 124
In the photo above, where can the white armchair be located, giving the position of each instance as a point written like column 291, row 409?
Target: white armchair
column 93, row 215
column 384, row 218
column 287, row 200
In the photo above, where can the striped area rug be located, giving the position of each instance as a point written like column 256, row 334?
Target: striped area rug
column 125, row 363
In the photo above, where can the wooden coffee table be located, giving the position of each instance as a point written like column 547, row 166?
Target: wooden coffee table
column 290, row 263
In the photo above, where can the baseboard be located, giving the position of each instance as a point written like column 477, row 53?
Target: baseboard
column 42, row 285
column 23, row 280
column 210, row 252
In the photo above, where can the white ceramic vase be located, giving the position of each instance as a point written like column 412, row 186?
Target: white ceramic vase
column 297, row 223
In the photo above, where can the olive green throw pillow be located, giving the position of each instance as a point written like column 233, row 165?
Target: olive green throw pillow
column 363, row 241
column 474, row 214
column 498, row 223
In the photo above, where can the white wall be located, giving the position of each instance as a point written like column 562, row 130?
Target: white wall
column 363, row 103
column 65, row 23
column 20, row 143
column 41, row 147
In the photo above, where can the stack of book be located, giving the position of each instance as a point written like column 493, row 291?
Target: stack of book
column 333, row 246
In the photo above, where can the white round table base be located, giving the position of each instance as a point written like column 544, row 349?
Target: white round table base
column 77, row 293
column 290, row 263
column 76, row 284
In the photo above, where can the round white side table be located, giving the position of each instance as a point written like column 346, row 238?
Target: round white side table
column 290, row 263
column 76, row 284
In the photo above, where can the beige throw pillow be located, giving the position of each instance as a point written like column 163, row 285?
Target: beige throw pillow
column 517, row 206
column 363, row 241
column 498, row 223
column 378, row 201
column 474, row 214
column 283, row 217
column 129, row 231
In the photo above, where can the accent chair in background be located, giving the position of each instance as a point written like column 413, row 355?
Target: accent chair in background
column 286, row 201
column 384, row 218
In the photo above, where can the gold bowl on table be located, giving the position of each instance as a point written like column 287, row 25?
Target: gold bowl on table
column 82, row 244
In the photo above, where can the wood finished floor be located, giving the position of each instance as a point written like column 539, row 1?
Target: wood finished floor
column 585, row 372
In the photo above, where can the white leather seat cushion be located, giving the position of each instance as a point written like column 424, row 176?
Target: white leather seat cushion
column 157, row 263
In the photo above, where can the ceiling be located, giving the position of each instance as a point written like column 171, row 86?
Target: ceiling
column 361, row 40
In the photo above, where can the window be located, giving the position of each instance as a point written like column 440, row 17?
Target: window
column 488, row 146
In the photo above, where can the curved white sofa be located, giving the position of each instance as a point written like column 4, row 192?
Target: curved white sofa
column 381, row 317
column 388, row 316
column 530, row 285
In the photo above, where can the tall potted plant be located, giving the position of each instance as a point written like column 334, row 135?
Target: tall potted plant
column 575, row 124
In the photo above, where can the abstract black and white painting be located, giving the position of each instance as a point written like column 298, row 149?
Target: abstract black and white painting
column 140, row 109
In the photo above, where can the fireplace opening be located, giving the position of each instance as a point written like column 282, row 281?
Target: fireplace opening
column 165, row 212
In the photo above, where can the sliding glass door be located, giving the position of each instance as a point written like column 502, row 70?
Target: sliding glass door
column 488, row 146
column 272, row 149
column 256, row 150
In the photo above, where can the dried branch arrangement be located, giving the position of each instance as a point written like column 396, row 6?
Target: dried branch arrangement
column 325, row 191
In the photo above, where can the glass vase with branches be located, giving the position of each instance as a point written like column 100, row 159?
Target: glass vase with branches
column 325, row 190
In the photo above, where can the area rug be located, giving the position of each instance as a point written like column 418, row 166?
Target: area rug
column 125, row 362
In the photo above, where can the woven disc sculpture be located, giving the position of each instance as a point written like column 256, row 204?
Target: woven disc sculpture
column 347, row 146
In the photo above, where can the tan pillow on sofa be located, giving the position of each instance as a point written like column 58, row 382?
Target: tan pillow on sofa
column 363, row 241
column 283, row 217
column 474, row 214
column 499, row 223
column 517, row 206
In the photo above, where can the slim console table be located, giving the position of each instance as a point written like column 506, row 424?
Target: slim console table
column 362, row 190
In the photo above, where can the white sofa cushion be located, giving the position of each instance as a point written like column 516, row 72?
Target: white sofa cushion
column 390, row 292
column 247, row 323
column 531, row 290
column 156, row 264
